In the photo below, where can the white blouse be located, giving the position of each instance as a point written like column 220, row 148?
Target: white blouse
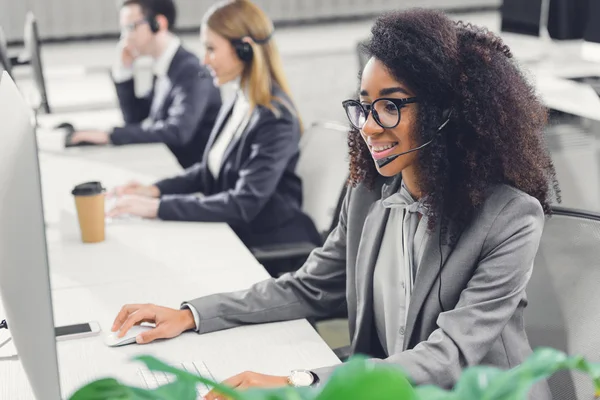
column 232, row 129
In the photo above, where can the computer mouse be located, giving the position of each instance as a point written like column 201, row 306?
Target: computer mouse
column 112, row 340
column 66, row 126
column 68, row 142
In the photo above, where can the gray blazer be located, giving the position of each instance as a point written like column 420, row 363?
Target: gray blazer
column 483, row 278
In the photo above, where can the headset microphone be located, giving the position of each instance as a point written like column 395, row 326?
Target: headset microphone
column 386, row 160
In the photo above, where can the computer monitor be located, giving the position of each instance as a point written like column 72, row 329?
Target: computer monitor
column 591, row 38
column 33, row 49
column 24, row 272
column 521, row 16
column 5, row 63
column 592, row 31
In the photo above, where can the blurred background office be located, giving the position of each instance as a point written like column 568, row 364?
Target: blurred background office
column 318, row 41
column 60, row 53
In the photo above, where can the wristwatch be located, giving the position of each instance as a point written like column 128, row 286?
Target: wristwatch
column 302, row 378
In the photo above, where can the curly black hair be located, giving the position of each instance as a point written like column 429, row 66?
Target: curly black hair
column 495, row 134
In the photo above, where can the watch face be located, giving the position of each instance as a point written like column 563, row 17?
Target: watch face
column 301, row 378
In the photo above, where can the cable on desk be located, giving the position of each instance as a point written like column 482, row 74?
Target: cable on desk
column 4, row 325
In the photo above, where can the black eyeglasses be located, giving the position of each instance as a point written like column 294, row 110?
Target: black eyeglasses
column 129, row 28
column 386, row 111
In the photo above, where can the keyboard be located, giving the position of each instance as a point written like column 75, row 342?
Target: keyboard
column 154, row 379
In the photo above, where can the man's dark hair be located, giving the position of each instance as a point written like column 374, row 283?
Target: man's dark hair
column 152, row 8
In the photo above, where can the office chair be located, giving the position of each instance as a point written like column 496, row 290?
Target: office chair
column 323, row 168
column 5, row 62
column 563, row 295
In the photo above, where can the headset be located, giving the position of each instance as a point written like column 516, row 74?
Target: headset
column 385, row 161
column 153, row 23
column 244, row 49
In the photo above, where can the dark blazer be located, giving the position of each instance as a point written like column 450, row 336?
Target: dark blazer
column 182, row 115
column 257, row 191
column 483, row 279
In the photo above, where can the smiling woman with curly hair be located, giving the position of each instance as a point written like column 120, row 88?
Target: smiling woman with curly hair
column 495, row 131
column 438, row 232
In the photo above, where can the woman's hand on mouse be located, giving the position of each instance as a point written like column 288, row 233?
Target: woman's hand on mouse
column 96, row 137
column 169, row 322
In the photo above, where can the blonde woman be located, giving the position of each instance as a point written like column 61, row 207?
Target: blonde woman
column 247, row 176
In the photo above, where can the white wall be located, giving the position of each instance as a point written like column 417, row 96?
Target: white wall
column 76, row 18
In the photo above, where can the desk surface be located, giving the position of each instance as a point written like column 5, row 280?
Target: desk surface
column 99, row 120
column 158, row 262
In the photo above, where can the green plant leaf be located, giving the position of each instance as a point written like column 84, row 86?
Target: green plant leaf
column 362, row 379
column 543, row 363
column 177, row 390
column 474, row 382
column 434, row 393
column 285, row 393
column 109, row 388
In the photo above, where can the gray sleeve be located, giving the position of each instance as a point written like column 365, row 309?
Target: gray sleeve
column 467, row 332
column 316, row 289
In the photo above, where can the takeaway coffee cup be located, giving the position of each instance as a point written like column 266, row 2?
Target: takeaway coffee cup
column 89, row 201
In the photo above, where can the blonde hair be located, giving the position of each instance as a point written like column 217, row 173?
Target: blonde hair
column 238, row 19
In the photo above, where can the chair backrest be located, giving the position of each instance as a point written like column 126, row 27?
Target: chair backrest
column 5, row 63
column 323, row 168
column 564, row 295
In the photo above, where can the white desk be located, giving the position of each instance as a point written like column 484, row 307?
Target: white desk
column 87, row 92
column 158, row 262
column 148, row 162
column 99, row 120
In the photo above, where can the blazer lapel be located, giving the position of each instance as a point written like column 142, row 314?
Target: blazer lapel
column 366, row 259
column 249, row 125
column 224, row 113
column 427, row 274
column 162, row 86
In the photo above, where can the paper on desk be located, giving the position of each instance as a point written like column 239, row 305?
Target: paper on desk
column 7, row 346
column 51, row 140
column 568, row 96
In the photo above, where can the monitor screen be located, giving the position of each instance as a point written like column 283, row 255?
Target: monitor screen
column 32, row 47
column 592, row 31
column 521, row 16
column 4, row 58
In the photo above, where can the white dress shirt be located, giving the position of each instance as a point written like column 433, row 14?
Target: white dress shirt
column 160, row 67
column 232, row 129
column 401, row 250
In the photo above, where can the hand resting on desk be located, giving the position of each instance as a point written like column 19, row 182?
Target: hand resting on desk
column 134, row 205
column 136, row 188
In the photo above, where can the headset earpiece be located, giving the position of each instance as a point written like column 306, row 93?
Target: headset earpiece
column 153, row 24
column 243, row 50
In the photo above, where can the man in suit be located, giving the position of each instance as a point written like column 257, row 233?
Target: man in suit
column 181, row 108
